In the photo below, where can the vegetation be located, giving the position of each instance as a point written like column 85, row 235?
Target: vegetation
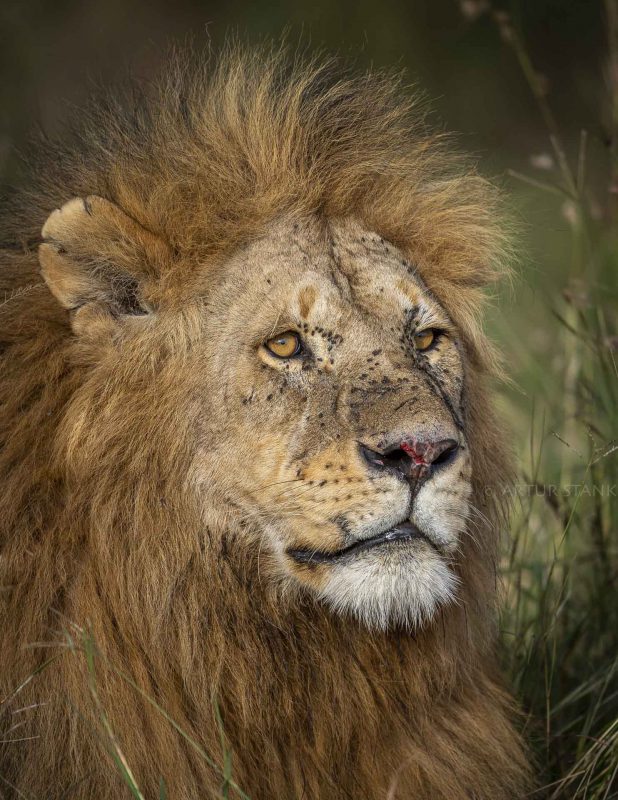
column 560, row 615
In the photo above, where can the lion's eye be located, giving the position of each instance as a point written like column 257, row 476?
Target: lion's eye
column 424, row 339
column 286, row 345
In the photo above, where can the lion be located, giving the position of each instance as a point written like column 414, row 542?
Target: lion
column 251, row 474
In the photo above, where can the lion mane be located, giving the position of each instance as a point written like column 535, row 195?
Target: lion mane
column 130, row 626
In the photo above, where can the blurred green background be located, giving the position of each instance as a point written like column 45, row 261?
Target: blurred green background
column 480, row 63
column 50, row 52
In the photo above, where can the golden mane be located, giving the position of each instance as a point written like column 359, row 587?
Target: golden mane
column 208, row 155
column 313, row 705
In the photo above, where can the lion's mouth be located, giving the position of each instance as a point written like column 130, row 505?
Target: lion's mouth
column 404, row 532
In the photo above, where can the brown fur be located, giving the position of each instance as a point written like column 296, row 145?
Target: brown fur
column 101, row 522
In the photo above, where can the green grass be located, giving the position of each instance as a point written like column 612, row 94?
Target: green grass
column 560, row 615
column 560, row 610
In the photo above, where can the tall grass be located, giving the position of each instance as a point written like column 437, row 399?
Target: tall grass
column 560, row 617
column 560, row 614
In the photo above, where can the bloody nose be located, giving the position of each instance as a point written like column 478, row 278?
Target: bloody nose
column 426, row 453
column 414, row 459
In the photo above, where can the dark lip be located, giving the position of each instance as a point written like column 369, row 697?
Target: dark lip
column 403, row 532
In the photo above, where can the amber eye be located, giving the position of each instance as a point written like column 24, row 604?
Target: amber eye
column 424, row 339
column 286, row 345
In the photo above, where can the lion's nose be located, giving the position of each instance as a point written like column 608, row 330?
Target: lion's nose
column 412, row 458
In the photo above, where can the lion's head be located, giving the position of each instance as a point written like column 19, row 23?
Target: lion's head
column 332, row 416
column 248, row 441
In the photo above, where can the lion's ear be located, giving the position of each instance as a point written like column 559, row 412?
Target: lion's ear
column 94, row 256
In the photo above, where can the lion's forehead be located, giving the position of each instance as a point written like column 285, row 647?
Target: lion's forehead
column 335, row 273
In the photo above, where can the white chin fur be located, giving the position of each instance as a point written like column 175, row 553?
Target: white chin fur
column 403, row 588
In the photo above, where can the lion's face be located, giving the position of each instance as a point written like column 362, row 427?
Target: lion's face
column 337, row 417
column 329, row 384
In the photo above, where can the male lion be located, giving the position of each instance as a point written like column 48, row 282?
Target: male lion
column 249, row 465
